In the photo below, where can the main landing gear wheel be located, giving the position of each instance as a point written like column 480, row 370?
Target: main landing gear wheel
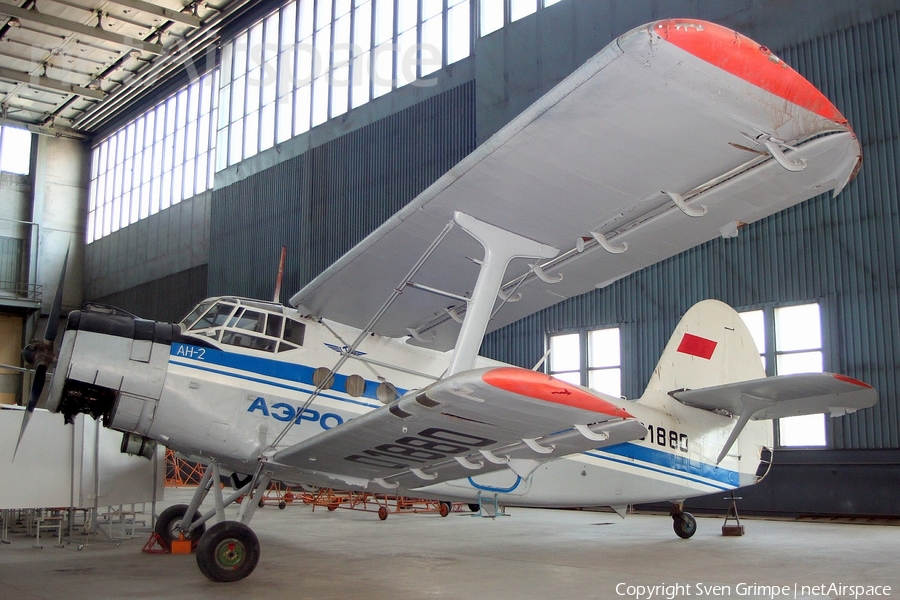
column 685, row 525
column 169, row 518
column 227, row 552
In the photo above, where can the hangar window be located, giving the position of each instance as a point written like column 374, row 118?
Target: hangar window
column 789, row 340
column 15, row 150
column 313, row 60
column 590, row 357
column 495, row 14
column 305, row 63
column 155, row 161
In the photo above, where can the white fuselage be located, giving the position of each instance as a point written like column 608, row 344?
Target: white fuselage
column 228, row 404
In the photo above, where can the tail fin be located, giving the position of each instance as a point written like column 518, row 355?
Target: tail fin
column 711, row 346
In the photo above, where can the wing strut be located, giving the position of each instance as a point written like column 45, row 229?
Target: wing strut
column 500, row 247
column 364, row 333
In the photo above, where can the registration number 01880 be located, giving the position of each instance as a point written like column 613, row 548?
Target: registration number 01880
column 427, row 446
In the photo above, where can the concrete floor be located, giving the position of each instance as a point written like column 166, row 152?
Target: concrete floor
column 529, row 554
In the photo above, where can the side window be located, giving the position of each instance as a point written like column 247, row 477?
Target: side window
column 246, row 340
column 293, row 333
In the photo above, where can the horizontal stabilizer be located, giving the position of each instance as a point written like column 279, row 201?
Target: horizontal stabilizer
column 784, row 396
column 779, row 397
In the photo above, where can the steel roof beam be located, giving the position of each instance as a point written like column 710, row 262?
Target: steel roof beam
column 79, row 28
column 160, row 11
column 55, row 131
column 51, row 84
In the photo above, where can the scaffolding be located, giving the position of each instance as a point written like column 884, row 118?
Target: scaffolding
column 180, row 472
column 382, row 504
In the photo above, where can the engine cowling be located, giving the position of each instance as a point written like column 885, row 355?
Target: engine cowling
column 112, row 366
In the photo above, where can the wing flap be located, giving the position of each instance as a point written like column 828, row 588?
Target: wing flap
column 471, row 423
column 784, row 396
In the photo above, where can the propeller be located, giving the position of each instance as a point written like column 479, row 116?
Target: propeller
column 40, row 353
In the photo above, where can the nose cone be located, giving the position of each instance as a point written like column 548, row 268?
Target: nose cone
column 29, row 354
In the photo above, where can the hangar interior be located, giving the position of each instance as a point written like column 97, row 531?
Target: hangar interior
column 176, row 159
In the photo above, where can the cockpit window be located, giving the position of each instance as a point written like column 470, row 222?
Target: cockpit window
column 293, row 332
column 246, row 324
column 250, row 320
column 215, row 317
column 195, row 314
column 273, row 326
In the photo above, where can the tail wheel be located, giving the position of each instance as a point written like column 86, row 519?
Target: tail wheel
column 169, row 518
column 444, row 508
column 229, row 551
column 685, row 525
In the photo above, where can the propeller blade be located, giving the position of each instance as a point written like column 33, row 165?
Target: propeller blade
column 56, row 308
column 37, row 386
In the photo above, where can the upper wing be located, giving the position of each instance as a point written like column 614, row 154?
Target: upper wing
column 784, row 396
column 471, row 423
column 672, row 110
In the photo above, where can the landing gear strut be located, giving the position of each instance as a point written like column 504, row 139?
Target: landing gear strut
column 229, row 550
column 684, row 523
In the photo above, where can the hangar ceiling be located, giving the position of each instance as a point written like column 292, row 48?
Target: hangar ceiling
column 69, row 65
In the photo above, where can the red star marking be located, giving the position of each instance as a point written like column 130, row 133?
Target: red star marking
column 697, row 346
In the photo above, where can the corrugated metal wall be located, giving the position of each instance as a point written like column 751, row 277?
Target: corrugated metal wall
column 324, row 201
column 842, row 252
column 169, row 298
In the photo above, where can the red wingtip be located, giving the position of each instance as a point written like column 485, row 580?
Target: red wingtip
column 544, row 387
column 739, row 55
column 846, row 379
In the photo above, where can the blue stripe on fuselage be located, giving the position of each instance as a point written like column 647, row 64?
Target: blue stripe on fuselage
column 655, row 460
column 265, row 367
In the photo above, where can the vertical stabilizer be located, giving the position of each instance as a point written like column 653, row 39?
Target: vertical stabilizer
column 711, row 346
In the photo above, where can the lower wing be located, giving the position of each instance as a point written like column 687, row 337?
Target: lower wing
column 470, row 423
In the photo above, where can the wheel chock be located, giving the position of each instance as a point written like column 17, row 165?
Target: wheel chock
column 154, row 545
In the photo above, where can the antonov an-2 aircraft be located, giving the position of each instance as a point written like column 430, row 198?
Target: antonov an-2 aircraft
column 678, row 132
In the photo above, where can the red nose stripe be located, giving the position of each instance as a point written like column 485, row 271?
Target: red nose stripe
column 744, row 58
column 697, row 346
column 543, row 387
